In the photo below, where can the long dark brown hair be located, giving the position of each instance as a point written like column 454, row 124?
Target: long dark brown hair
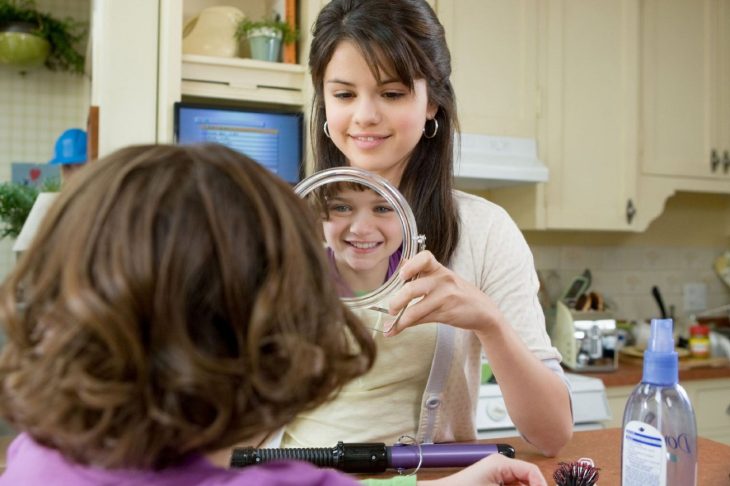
column 405, row 39
column 176, row 299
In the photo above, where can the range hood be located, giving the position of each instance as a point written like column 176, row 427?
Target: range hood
column 487, row 161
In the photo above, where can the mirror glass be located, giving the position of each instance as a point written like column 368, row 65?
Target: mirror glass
column 368, row 229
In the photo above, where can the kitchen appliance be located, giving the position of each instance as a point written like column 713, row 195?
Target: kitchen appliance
column 487, row 161
column 587, row 339
column 590, row 408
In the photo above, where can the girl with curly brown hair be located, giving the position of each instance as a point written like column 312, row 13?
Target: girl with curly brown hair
column 174, row 303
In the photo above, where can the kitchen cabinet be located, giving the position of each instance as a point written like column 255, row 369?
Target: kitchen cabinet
column 588, row 120
column 245, row 80
column 710, row 400
column 685, row 108
column 493, row 46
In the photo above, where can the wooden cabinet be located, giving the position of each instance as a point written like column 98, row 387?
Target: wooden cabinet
column 245, row 80
column 493, row 46
column 684, row 122
column 710, row 400
column 587, row 130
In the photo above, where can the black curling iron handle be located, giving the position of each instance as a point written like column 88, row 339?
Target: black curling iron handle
column 351, row 457
column 375, row 457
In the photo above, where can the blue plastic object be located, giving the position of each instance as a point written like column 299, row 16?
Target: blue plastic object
column 70, row 147
column 661, row 366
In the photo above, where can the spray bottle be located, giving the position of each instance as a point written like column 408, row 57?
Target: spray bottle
column 659, row 445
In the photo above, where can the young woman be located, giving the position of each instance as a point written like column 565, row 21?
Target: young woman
column 384, row 102
column 176, row 302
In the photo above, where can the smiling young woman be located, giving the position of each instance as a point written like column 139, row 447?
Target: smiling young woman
column 383, row 102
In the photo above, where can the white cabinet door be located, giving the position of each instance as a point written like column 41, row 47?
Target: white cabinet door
column 724, row 84
column 588, row 128
column 681, row 62
column 493, row 45
column 591, row 140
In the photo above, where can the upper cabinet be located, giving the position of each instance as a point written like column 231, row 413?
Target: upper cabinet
column 493, row 45
column 685, row 108
column 587, row 128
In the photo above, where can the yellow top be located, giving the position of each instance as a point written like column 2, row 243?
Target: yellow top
column 395, row 383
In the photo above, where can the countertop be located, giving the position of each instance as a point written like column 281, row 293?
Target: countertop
column 629, row 374
column 604, row 448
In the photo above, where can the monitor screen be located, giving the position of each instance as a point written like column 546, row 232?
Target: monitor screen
column 272, row 138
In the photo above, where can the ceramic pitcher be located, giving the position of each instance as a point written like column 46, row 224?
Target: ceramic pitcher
column 212, row 32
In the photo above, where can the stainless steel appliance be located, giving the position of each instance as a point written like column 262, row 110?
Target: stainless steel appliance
column 587, row 339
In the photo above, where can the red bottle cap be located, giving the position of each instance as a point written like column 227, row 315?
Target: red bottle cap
column 699, row 330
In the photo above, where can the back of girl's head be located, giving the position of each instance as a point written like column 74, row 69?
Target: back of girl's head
column 176, row 299
column 403, row 39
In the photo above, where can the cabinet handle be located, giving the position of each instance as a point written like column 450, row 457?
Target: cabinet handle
column 727, row 410
column 630, row 211
column 726, row 161
column 714, row 160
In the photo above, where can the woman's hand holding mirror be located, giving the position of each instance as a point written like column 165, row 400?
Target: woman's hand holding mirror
column 442, row 296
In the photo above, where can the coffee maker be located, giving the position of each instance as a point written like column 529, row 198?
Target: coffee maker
column 586, row 339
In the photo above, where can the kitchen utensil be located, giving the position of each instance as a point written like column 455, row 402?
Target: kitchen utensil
column 722, row 267
column 578, row 286
column 660, row 302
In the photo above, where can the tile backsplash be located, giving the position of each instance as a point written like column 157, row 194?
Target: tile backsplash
column 678, row 248
column 626, row 275
column 36, row 107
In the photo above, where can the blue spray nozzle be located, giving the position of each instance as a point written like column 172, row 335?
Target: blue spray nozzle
column 661, row 340
column 661, row 363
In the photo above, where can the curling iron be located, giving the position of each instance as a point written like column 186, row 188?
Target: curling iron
column 375, row 457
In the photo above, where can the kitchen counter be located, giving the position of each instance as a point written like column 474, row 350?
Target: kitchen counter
column 630, row 373
column 604, row 448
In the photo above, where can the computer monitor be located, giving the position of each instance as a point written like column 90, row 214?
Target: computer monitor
column 272, row 138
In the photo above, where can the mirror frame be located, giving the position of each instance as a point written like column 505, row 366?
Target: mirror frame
column 412, row 241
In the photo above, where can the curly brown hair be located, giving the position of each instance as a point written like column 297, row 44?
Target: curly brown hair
column 176, row 299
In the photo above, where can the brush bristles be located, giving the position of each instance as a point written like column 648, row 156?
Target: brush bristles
column 576, row 474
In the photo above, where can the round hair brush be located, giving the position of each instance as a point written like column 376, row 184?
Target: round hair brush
column 579, row 473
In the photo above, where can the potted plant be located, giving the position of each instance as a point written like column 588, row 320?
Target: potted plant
column 265, row 37
column 16, row 201
column 29, row 38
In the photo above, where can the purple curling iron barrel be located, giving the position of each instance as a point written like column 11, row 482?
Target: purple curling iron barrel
column 375, row 457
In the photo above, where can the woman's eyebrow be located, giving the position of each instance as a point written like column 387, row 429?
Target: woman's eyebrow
column 340, row 81
column 349, row 83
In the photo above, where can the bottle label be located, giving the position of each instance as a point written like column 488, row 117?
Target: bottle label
column 644, row 456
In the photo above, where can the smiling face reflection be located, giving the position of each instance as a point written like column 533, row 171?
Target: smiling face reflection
column 363, row 234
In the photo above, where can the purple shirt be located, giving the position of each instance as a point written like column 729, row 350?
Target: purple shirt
column 344, row 290
column 30, row 464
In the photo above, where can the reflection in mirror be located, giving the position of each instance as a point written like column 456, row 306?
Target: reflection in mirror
column 368, row 229
column 363, row 236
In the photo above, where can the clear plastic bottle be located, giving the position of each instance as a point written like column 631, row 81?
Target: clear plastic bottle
column 659, row 446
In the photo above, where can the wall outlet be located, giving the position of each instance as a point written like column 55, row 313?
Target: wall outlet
column 695, row 297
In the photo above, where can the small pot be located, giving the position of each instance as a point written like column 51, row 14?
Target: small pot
column 20, row 46
column 265, row 44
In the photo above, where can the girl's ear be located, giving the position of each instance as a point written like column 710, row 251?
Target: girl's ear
column 431, row 110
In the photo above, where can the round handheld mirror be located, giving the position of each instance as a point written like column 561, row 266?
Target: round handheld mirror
column 368, row 230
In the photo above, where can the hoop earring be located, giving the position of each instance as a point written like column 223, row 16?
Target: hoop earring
column 435, row 129
column 325, row 128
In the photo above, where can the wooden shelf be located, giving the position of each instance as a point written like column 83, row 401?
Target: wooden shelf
column 243, row 79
